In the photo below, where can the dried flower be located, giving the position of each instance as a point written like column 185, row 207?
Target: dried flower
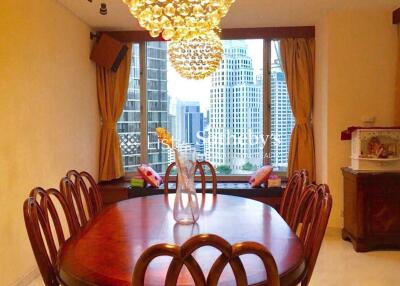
column 164, row 136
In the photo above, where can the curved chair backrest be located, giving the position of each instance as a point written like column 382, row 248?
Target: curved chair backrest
column 82, row 195
column 199, row 167
column 312, row 215
column 45, row 229
column 90, row 184
column 182, row 255
column 291, row 196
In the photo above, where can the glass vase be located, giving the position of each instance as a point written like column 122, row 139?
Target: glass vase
column 186, row 205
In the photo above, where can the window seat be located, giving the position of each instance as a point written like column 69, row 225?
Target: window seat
column 120, row 189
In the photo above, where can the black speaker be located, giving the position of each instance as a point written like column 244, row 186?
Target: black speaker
column 108, row 52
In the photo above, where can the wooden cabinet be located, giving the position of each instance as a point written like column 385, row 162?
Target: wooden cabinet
column 371, row 209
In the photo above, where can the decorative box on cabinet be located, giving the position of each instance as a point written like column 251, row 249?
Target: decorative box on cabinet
column 371, row 209
column 375, row 149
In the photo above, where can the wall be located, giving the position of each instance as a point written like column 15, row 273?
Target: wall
column 356, row 68
column 320, row 112
column 48, row 114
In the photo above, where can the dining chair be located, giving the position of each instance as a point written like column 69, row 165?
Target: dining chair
column 82, row 195
column 291, row 195
column 182, row 256
column 312, row 215
column 44, row 214
column 200, row 166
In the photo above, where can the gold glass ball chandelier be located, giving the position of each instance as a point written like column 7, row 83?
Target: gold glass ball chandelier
column 196, row 58
column 179, row 19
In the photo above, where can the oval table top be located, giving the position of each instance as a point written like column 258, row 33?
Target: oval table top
column 106, row 250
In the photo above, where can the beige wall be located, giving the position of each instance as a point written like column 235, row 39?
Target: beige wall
column 356, row 68
column 48, row 114
column 320, row 112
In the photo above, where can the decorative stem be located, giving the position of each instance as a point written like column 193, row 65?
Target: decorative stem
column 184, row 172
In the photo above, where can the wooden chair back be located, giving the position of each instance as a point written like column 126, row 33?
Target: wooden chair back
column 291, row 196
column 82, row 195
column 90, row 184
column 200, row 165
column 45, row 229
column 182, row 255
column 312, row 215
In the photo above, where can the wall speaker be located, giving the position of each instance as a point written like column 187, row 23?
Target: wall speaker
column 108, row 52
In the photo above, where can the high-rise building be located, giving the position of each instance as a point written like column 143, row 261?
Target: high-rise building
column 282, row 120
column 171, row 123
column 190, row 124
column 128, row 126
column 157, row 109
column 235, row 111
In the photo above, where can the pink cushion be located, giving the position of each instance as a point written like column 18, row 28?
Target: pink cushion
column 260, row 176
column 150, row 176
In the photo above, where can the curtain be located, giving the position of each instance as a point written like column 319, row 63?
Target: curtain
column 111, row 93
column 397, row 102
column 297, row 59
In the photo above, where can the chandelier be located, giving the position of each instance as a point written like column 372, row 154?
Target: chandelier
column 197, row 58
column 178, row 19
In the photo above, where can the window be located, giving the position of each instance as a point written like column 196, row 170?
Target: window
column 229, row 118
column 128, row 126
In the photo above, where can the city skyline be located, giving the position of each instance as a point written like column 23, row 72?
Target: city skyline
column 199, row 88
column 229, row 105
column 235, row 110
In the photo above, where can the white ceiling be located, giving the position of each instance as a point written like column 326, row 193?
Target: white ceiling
column 243, row 13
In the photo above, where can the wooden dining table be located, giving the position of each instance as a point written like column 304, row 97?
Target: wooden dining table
column 106, row 250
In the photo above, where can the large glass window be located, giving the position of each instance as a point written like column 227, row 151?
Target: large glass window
column 157, row 103
column 223, row 117
column 128, row 126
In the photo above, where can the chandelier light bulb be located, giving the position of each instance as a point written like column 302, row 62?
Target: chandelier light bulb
column 178, row 19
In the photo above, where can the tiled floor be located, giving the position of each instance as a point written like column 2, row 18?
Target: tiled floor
column 339, row 265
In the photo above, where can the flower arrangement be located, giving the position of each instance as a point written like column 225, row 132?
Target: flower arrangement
column 164, row 136
column 186, row 165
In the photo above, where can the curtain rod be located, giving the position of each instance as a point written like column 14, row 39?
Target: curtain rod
column 226, row 34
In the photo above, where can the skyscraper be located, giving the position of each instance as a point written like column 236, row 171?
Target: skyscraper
column 282, row 120
column 235, row 111
column 190, row 124
column 157, row 109
column 128, row 125
column 157, row 102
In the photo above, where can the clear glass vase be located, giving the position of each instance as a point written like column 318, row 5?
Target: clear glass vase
column 186, row 206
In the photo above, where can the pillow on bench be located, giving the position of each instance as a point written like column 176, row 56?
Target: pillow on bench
column 260, row 176
column 150, row 176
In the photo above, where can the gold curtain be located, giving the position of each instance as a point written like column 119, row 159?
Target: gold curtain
column 297, row 58
column 111, row 93
column 397, row 102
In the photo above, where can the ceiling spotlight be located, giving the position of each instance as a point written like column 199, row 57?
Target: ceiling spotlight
column 103, row 9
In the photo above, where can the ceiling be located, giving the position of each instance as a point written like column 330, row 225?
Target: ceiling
column 243, row 13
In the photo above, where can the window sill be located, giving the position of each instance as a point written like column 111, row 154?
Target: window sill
column 220, row 178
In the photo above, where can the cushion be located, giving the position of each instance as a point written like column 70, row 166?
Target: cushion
column 260, row 176
column 150, row 176
column 274, row 181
